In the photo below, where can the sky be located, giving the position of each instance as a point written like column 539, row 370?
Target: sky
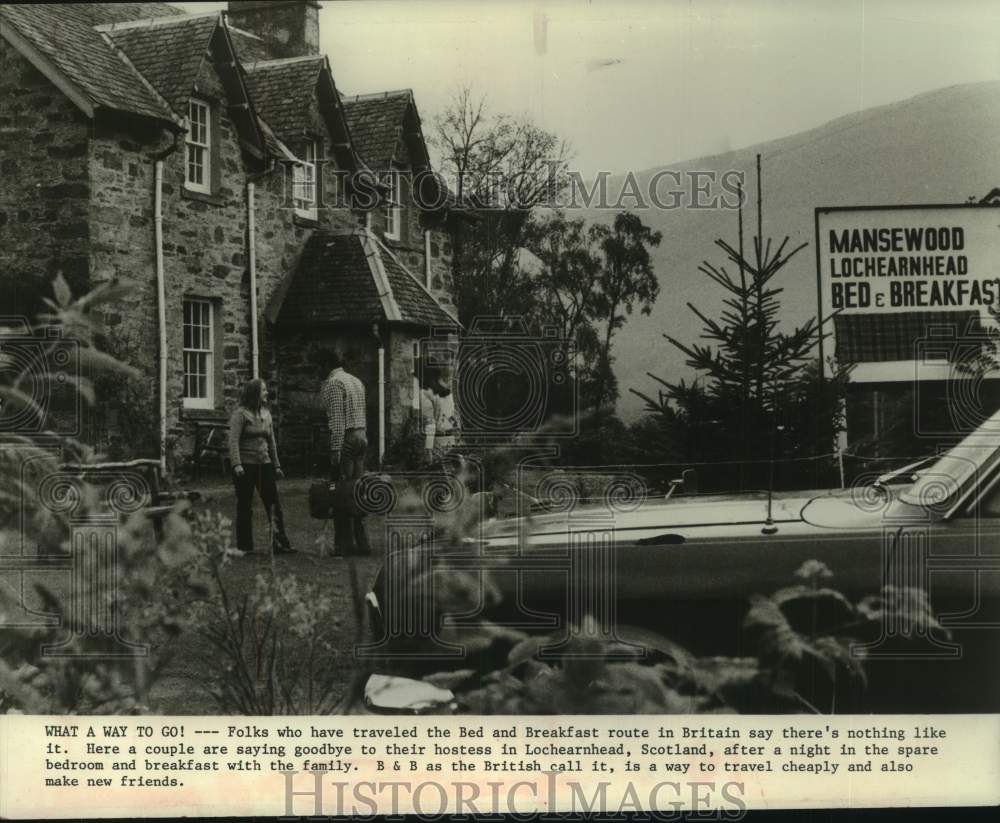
column 634, row 84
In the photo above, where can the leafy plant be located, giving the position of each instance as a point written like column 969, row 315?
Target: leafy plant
column 275, row 643
column 587, row 678
column 65, row 667
column 803, row 636
column 62, row 665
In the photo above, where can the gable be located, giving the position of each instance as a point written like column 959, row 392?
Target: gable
column 169, row 55
column 284, row 92
column 177, row 54
column 59, row 39
column 376, row 124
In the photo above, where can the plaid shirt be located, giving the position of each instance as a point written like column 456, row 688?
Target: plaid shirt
column 343, row 398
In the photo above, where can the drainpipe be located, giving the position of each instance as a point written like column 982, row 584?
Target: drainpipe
column 427, row 258
column 251, row 240
column 381, row 394
column 161, row 297
column 161, row 308
column 415, row 399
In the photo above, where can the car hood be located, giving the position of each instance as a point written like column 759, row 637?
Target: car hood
column 683, row 512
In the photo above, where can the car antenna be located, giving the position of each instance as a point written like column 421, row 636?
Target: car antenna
column 769, row 527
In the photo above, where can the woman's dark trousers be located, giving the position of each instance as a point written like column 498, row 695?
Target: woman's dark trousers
column 261, row 478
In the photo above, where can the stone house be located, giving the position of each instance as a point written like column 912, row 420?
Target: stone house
column 209, row 163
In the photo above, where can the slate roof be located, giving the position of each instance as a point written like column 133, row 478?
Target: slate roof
column 337, row 282
column 332, row 284
column 64, row 34
column 103, row 13
column 416, row 305
column 283, row 91
column 169, row 55
column 249, row 47
column 376, row 123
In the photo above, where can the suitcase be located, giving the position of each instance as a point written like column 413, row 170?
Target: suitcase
column 322, row 501
column 328, row 499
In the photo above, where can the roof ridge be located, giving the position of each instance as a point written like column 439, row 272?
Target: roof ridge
column 244, row 32
column 150, row 22
column 383, row 288
column 378, row 95
column 283, row 61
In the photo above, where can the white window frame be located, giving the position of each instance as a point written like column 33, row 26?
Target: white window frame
column 204, row 353
column 198, row 141
column 393, row 206
column 304, row 183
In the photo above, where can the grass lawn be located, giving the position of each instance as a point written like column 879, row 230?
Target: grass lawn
column 184, row 687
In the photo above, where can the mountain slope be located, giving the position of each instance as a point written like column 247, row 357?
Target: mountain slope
column 938, row 147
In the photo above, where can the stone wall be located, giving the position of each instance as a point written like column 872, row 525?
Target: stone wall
column 205, row 254
column 290, row 29
column 44, row 155
column 304, row 436
column 78, row 197
column 410, row 246
column 399, row 370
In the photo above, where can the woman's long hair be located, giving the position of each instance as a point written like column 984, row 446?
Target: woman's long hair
column 250, row 397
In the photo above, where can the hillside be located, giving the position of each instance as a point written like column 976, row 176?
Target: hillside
column 938, row 147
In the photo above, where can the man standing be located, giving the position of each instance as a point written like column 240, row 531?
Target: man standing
column 343, row 397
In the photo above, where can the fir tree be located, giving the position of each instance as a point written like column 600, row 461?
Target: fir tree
column 755, row 378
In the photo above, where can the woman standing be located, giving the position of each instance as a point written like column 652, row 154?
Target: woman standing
column 441, row 427
column 254, row 456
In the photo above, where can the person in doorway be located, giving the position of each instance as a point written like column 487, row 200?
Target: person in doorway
column 439, row 420
column 253, row 453
column 343, row 398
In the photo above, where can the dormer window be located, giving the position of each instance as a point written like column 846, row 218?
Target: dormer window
column 393, row 206
column 198, row 175
column 304, row 182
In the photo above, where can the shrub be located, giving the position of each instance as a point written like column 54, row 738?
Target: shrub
column 275, row 643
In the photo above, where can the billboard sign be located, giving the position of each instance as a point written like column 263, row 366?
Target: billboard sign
column 920, row 258
column 887, row 272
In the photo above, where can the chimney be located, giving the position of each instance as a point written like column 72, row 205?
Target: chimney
column 290, row 27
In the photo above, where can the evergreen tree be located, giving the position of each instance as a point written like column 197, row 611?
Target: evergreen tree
column 761, row 391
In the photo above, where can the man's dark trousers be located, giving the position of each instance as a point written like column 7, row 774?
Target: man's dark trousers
column 350, row 535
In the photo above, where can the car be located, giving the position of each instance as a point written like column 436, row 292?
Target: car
column 687, row 565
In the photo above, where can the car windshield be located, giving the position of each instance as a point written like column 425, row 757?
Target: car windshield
column 956, row 468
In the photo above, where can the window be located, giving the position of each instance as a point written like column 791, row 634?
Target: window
column 199, row 354
column 304, row 182
column 199, row 147
column 393, row 212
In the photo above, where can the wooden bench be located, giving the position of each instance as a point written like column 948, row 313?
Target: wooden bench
column 161, row 502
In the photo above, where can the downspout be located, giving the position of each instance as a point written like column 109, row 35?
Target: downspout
column 252, row 255
column 161, row 308
column 415, row 398
column 381, row 394
column 161, row 291
column 427, row 258
column 269, row 167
